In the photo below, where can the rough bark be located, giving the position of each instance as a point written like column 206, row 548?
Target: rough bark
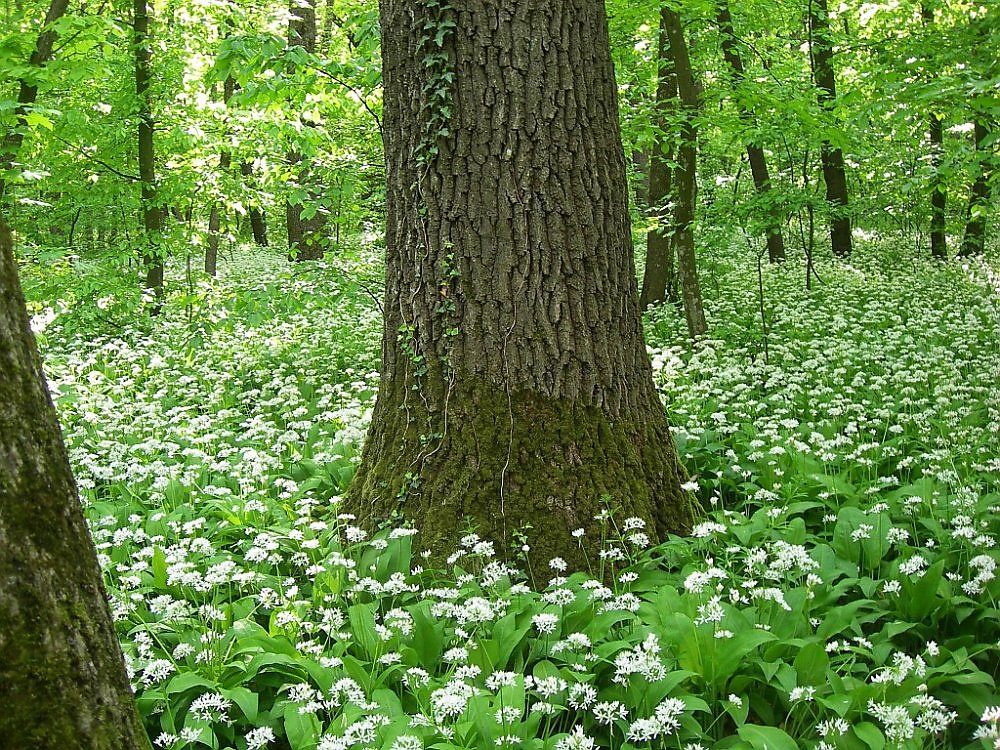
column 11, row 142
column 515, row 384
column 152, row 216
column 832, row 157
column 305, row 235
column 755, row 154
column 658, row 277
column 686, row 177
column 977, row 211
column 62, row 677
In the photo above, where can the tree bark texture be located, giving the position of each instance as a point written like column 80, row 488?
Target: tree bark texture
column 11, row 142
column 659, row 281
column 515, row 385
column 152, row 216
column 755, row 154
column 977, row 212
column 832, row 157
column 62, row 677
column 686, row 176
column 305, row 235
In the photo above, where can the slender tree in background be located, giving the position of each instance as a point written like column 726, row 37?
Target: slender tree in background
column 11, row 142
column 515, row 385
column 831, row 156
column 258, row 222
column 974, row 241
column 215, row 215
column 305, row 224
column 62, row 677
column 152, row 215
column 658, row 277
column 755, row 154
column 685, row 175
column 939, row 195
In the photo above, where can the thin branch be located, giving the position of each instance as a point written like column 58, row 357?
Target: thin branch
column 353, row 90
column 100, row 162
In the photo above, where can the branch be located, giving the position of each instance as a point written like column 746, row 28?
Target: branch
column 100, row 162
column 349, row 87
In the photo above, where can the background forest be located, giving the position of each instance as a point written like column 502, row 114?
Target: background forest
column 197, row 196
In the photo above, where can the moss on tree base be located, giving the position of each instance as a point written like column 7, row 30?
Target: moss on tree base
column 509, row 461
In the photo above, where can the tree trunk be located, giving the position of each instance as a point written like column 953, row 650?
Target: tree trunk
column 215, row 218
column 305, row 235
column 939, row 243
column 152, row 216
column 974, row 241
column 687, row 184
column 658, row 282
column 515, row 386
column 258, row 222
column 832, row 158
column 755, row 154
column 62, row 676
column 11, row 142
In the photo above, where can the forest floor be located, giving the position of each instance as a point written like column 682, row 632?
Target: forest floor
column 841, row 591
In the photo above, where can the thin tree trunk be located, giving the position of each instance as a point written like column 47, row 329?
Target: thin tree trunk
column 755, row 154
column 939, row 243
column 939, row 196
column 305, row 240
column 832, row 158
column 11, row 142
column 152, row 215
column 687, row 184
column 62, row 676
column 974, row 241
column 515, row 385
column 258, row 222
column 658, row 283
column 214, row 218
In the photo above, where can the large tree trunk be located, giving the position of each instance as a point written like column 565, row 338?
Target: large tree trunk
column 305, row 235
column 755, row 154
column 152, row 216
column 62, row 676
column 11, row 142
column 658, row 282
column 832, row 158
column 974, row 241
column 515, row 385
column 686, row 177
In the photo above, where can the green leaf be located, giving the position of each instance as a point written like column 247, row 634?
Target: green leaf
column 767, row 738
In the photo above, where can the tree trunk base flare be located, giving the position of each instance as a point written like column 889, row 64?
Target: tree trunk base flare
column 512, row 461
column 515, row 384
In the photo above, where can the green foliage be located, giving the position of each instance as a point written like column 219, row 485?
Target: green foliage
column 840, row 590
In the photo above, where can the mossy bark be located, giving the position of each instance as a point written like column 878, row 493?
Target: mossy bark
column 515, row 382
column 62, row 678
